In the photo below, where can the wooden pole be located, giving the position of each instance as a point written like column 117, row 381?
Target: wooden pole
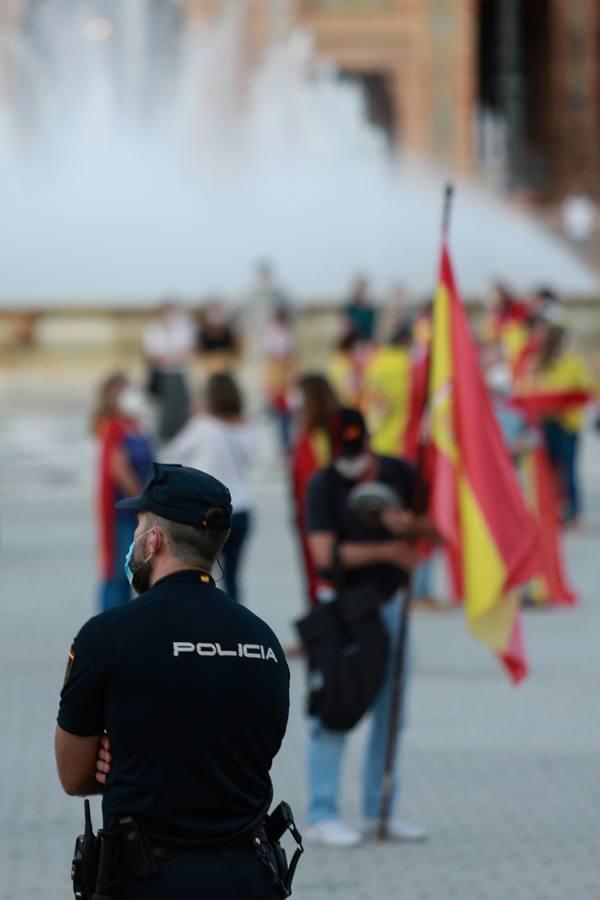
column 399, row 652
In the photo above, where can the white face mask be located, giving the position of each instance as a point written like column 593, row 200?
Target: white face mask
column 131, row 402
column 352, row 467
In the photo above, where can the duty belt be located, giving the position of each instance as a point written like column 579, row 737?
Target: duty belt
column 130, row 850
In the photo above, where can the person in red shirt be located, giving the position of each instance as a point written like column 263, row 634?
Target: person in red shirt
column 124, row 459
column 311, row 451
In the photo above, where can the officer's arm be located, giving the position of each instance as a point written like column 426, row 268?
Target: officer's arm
column 76, row 763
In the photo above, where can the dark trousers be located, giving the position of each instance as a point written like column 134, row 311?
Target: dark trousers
column 232, row 552
column 173, row 403
column 216, row 874
column 562, row 446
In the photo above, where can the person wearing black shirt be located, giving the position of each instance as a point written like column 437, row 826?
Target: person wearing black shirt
column 378, row 553
column 184, row 693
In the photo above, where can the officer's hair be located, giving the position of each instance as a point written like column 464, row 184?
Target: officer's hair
column 191, row 545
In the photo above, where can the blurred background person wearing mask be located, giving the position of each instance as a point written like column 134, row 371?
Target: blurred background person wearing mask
column 311, row 451
column 168, row 343
column 218, row 440
column 280, row 367
column 124, row 459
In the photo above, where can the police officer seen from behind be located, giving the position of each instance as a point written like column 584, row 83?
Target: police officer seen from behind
column 188, row 694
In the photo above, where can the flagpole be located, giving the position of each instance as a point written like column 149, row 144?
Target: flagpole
column 399, row 654
column 447, row 209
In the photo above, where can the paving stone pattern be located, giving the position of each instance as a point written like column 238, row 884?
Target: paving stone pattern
column 507, row 780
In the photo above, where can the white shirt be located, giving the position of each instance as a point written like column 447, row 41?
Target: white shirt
column 223, row 449
column 170, row 340
column 278, row 341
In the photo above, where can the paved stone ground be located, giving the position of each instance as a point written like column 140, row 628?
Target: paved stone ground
column 507, row 780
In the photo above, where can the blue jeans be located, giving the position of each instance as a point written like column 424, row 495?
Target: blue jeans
column 562, row 446
column 283, row 421
column 326, row 748
column 570, row 448
column 116, row 591
column 421, row 579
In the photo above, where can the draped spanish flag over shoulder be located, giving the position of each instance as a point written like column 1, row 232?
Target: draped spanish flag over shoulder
column 475, row 500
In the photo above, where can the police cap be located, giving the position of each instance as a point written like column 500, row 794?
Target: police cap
column 183, row 494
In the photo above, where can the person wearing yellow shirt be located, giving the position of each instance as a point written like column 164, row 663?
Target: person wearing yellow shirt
column 507, row 322
column 344, row 371
column 560, row 368
column 386, row 393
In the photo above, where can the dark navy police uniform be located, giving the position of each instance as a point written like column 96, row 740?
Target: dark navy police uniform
column 193, row 691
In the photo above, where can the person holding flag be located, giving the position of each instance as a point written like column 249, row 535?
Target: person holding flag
column 375, row 553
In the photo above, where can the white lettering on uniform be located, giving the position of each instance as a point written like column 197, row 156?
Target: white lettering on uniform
column 207, row 648
column 182, row 647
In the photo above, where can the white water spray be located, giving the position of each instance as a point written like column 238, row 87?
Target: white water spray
column 123, row 176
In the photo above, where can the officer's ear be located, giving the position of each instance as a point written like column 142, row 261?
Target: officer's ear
column 156, row 540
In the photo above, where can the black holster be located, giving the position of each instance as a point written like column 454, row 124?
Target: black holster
column 101, row 860
column 268, row 836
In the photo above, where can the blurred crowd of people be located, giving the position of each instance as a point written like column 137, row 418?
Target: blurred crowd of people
column 360, row 418
column 378, row 364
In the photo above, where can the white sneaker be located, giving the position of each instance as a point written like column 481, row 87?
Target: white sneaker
column 397, row 830
column 332, row 833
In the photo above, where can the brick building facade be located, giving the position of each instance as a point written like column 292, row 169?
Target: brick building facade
column 443, row 75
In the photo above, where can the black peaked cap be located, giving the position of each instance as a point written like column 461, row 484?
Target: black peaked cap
column 182, row 494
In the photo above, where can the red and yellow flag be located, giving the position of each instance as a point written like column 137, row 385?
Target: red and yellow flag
column 475, row 500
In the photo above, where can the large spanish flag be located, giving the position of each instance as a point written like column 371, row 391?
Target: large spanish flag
column 475, row 500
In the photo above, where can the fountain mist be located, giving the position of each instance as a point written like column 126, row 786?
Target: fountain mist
column 138, row 158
